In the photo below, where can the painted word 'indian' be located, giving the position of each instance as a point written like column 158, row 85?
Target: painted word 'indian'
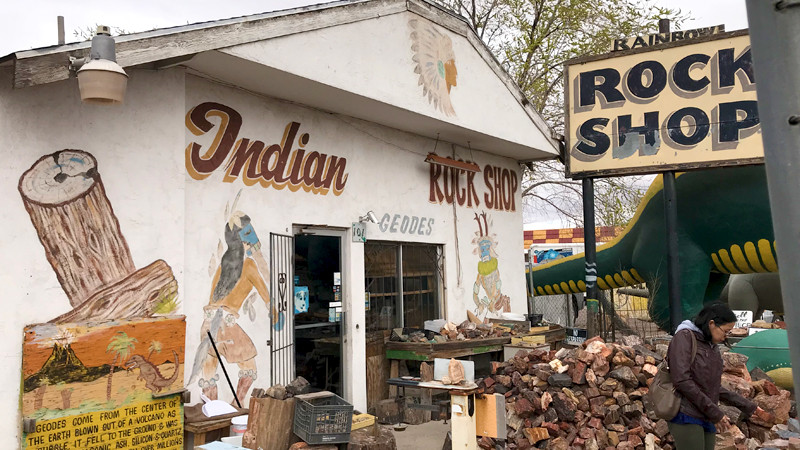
column 275, row 166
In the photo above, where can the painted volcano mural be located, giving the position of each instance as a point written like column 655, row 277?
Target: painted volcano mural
column 64, row 366
column 69, row 368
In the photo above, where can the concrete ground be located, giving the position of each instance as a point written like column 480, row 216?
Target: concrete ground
column 426, row 436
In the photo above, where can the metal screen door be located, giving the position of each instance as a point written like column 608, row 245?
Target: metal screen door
column 281, row 258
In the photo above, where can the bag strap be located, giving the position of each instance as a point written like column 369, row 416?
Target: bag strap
column 694, row 350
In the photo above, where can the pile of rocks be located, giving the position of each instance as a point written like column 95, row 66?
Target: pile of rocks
column 594, row 397
column 298, row 386
column 472, row 328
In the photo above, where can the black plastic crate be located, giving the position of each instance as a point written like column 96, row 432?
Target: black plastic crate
column 322, row 419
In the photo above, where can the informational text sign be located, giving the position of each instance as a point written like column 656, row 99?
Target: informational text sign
column 156, row 424
column 575, row 336
column 683, row 105
column 743, row 318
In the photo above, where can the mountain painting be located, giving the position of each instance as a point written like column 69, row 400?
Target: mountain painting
column 75, row 368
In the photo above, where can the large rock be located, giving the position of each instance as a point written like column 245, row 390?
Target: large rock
column 455, row 371
column 277, row 391
column 298, row 386
column 736, row 384
column 777, row 405
column 564, row 407
column 600, row 367
column 559, row 380
column 579, row 372
column 535, row 435
column 625, row 375
column 736, row 364
column 523, row 407
column 426, row 373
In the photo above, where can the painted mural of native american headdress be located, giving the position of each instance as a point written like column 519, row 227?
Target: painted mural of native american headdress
column 484, row 241
column 435, row 63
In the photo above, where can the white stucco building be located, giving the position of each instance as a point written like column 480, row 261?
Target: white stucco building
column 297, row 123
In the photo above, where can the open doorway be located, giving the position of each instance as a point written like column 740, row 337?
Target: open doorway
column 318, row 310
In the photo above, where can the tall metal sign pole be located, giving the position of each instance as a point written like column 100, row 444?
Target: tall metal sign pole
column 590, row 254
column 774, row 31
column 671, row 222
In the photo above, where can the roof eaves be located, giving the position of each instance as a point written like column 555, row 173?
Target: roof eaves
column 50, row 64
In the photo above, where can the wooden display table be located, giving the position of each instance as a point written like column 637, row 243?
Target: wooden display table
column 425, row 351
column 206, row 429
column 466, row 411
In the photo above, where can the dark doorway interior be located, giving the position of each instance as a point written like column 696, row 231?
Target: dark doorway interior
column 318, row 340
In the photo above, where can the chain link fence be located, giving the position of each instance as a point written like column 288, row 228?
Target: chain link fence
column 624, row 312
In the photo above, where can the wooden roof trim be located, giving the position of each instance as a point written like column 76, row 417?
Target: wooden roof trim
column 40, row 67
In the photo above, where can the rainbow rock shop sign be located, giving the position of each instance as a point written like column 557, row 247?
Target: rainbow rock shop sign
column 278, row 165
column 682, row 105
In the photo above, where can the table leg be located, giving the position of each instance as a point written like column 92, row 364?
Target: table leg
column 394, row 372
column 462, row 422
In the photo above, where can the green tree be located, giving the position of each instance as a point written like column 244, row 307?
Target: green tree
column 120, row 346
column 532, row 39
column 155, row 347
column 87, row 32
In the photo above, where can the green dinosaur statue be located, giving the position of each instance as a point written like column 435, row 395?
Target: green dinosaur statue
column 724, row 227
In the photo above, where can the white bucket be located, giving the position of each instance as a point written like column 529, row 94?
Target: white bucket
column 238, row 425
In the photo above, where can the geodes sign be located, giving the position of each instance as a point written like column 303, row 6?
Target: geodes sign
column 683, row 105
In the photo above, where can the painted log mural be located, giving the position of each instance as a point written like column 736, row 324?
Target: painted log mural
column 105, row 374
column 66, row 200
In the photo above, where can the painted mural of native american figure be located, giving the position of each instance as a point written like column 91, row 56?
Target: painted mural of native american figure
column 493, row 300
column 239, row 278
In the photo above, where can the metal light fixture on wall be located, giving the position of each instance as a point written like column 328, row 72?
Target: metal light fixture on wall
column 100, row 79
column 368, row 217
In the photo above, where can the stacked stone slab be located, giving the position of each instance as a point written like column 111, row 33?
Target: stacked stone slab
column 595, row 397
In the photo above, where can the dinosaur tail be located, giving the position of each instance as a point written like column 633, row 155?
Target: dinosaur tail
column 614, row 259
column 566, row 276
column 176, row 371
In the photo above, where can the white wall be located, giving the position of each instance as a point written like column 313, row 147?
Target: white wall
column 381, row 67
column 386, row 173
column 166, row 214
column 134, row 145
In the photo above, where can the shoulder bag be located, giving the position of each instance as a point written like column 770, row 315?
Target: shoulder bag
column 666, row 400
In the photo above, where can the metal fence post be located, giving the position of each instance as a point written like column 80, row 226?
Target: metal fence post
column 775, row 42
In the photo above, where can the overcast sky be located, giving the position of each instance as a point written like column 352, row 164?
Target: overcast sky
column 32, row 24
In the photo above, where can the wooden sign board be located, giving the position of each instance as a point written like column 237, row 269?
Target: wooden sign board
column 155, row 424
column 490, row 416
column 687, row 104
column 91, row 385
column 576, row 336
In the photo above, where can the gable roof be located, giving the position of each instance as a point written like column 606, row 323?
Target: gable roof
column 222, row 50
